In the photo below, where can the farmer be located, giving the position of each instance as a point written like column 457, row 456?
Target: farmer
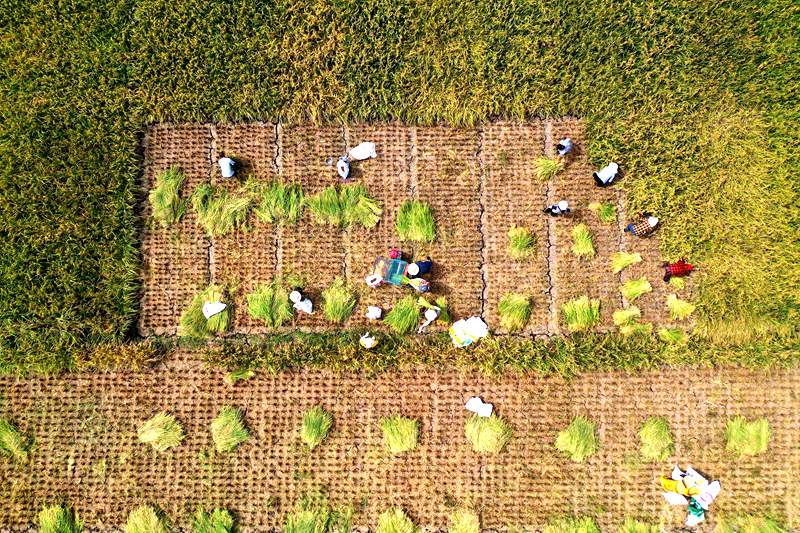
column 643, row 226
column 343, row 167
column 420, row 268
column 606, row 175
column 303, row 305
column 679, row 269
column 226, row 165
column 564, row 147
column 561, row 208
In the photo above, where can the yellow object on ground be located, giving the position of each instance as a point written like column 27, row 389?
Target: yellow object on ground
column 678, row 486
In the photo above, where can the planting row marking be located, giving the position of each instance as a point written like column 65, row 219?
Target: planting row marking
column 552, row 324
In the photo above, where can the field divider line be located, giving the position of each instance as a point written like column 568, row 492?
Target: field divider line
column 622, row 215
column 412, row 163
column 552, row 290
column 346, row 241
column 212, row 150
column 277, row 167
column 483, row 225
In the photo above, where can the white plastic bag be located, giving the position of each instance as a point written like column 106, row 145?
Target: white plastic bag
column 465, row 332
column 673, row 498
column 364, row 150
column 368, row 341
column 479, row 407
column 374, row 312
column 213, row 308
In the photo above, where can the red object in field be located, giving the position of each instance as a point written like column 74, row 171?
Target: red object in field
column 679, row 269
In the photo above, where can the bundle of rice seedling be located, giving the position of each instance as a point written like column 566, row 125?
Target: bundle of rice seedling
column 404, row 315
column 747, row 438
column 521, row 243
column 145, row 519
column 277, row 202
column 622, row 260
column 58, row 519
column 399, row 433
column 338, row 302
column 165, row 201
column 444, row 313
column 632, row 525
column 672, row 335
column 219, row 521
column 240, row 374
column 656, row 439
column 194, row 324
column 677, row 283
column 218, row 211
column 633, row 288
column 12, row 442
column 162, row 432
column 578, row 440
column 488, row 434
column 547, row 168
column 326, row 207
column 623, row 317
column 636, row 329
column 572, row 525
column 514, row 310
column 395, row 521
column 415, row 222
column 358, row 207
column 748, row 523
column 581, row 314
column 270, row 303
column 228, row 430
column 606, row 211
column 582, row 244
column 464, row 521
column 308, row 521
column 316, row 424
column 679, row 309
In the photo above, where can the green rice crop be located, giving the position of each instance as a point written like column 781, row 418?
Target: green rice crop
column 194, row 324
column 488, row 434
column 622, row 260
column 747, row 438
column 219, row 211
column 677, row 283
column 404, row 315
column 521, row 243
column 338, row 302
column 624, row 317
column 218, row 521
column 13, row 443
column 606, row 211
column 514, row 310
column 145, row 519
column 277, row 202
column 316, row 424
column 308, row 521
column 395, row 521
column 581, row 314
column 547, row 168
column 579, row 440
column 326, row 207
column 270, row 303
column 749, row 523
column 165, row 201
column 415, row 222
column 583, row 524
column 582, row 244
column 240, row 374
column 162, row 432
column 228, row 430
column 464, row 521
column 441, row 303
column 633, row 288
column 58, row 519
column 359, row 209
column 656, row 439
column 636, row 329
column 672, row 335
column 679, row 309
column 631, row 525
column 399, row 433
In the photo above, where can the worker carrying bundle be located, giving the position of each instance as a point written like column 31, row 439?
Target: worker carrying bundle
column 692, row 489
column 644, row 225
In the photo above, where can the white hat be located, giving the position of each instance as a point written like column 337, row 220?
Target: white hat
column 563, row 205
column 413, row 269
column 295, row 296
column 653, row 221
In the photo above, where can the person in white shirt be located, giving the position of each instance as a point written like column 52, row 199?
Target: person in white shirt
column 226, row 165
column 561, row 208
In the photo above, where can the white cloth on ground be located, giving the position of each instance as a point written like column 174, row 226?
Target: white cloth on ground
column 374, row 312
column 479, row 407
column 365, row 150
column 673, row 498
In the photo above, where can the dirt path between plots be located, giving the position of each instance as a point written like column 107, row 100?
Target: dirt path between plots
column 86, row 452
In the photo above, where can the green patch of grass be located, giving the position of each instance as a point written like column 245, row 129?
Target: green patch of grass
column 277, row 202
column 316, row 424
column 656, row 439
column 672, row 335
column 547, row 168
column 582, row 244
column 395, row 521
column 631, row 525
column 240, row 374
column 194, row 324
column 488, row 434
column 679, row 309
column 521, row 243
column 583, row 524
column 622, row 260
column 270, row 303
column 749, row 523
column 218, row 521
column 145, row 519
column 636, row 329
column 633, row 288
column 404, row 315
column 399, row 433
column 747, row 438
column 514, row 310
column 464, row 521
column 606, row 211
column 228, row 430
column 13, row 443
column 218, row 211
column 415, row 222
column 338, row 302
column 624, row 317
column 579, row 439
column 165, row 201
column 162, row 432
column 581, row 314
column 308, row 521
column 58, row 519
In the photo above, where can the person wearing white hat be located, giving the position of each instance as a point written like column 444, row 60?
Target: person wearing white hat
column 561, row 208
column 606, row 175
column 301, row 304
column 564, row 147
column 644, row 226
column 419, row 268
column 226, row 165
column 343, row 167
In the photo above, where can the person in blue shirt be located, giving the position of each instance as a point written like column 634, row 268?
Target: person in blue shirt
column 420, row 268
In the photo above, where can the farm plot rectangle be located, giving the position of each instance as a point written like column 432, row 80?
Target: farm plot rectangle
column 175, row 258
column 514, row 196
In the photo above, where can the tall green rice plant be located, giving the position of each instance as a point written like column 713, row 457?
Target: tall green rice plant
column 624, row 317
column 514, row 310
column 13, row 443
column 228, row 430
column 579, row 439
column 464, row 521
column 359, row 209
column 326, row 207
column 270, row 303
column 747, row 438
column 622, row 260
column 404, row 315
column 547, row 168
column 399, row 433
column 316, row 424
column 672, row 335
column 631, row 525
column 521, row 243
column 277, row 202
column 581, row 314
column 165, row 201
column 415, row 222
column 395, row 521
column 606, row 211
column 748, row 523
column 145, row 519
column 679, row 309
column 582, row 244
column 633, row 288
column 488, row 434
column 58, row 519
column 162, row 432
column 193, row 322
column 656, row 439
column 338, row 302
column 218, row 521
column 218, row 211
